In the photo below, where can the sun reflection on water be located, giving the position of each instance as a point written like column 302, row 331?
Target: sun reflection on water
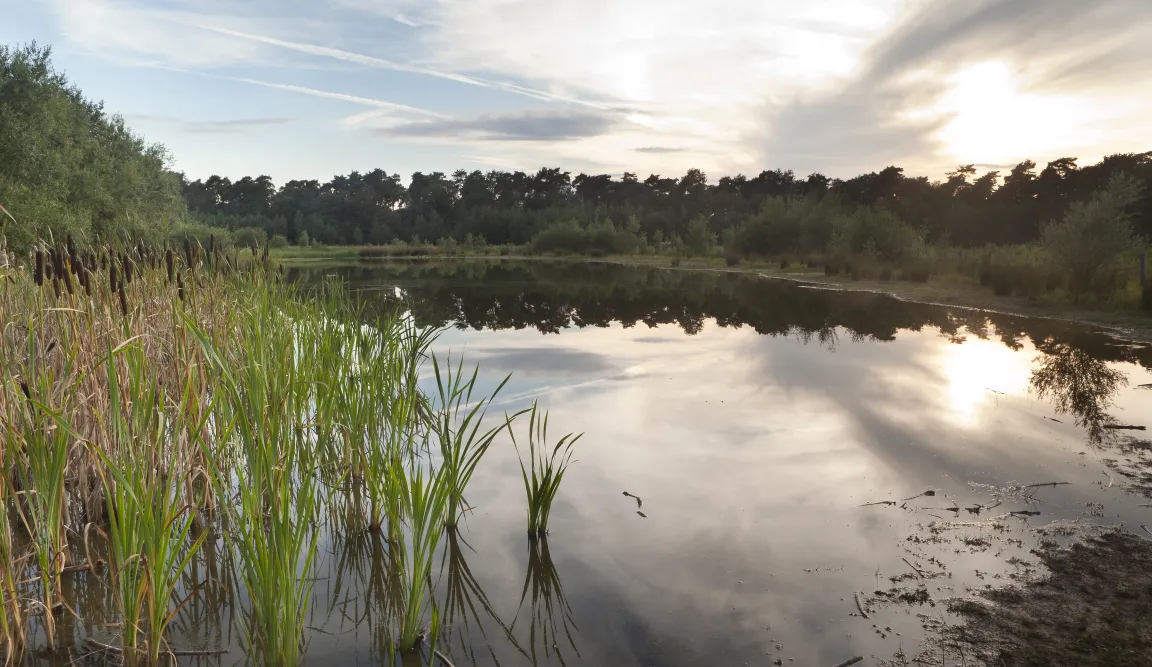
column 977, row 372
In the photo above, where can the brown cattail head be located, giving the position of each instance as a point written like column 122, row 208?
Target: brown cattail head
column 127, row 268
column 56, row 286
column 57, row 263
column 38, row 273
column 72, row 254
column 211, row 244
column 87, row 282
column 179, row 288
column 187, row 252
column 24, row 388
column 170, row 262
column 68, row 278
column 123, row 300
column 113, row 278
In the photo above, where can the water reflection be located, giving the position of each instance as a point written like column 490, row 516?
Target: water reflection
column 1079, row 384
column 1072, row 370
column 547, row 614
column 548, row 297
column 466, row 607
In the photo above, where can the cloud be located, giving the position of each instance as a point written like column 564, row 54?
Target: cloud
column 373, row 61
column 521, row 126
column 355, row 99
column 658, row 150
column 114, row 28
column 232, row 126
column 985, row 80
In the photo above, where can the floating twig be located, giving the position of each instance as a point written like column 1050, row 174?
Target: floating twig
column 849, row 661
column 639, row 503
column 918, row 572
column 1025, row 513
column 860, row 607
column 1034, row 486
column 1124, row 427
column 878, row 502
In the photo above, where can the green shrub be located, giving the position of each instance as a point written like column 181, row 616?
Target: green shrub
column 1094, row 239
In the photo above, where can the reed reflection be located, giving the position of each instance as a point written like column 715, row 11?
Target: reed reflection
column 548, row 614
column 466, row 607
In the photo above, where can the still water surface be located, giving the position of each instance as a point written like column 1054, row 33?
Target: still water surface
column 752, row 418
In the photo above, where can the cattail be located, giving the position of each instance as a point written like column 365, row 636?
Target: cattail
column 170, row 262
column 24, row 388
column 38, row 274
column 56, row 286
column 211, row 244
column 127, row 268
column 179, row 288
column 123, row 300
column 188, row 252
column 72, row 254
column 57, row 264
column 113, row 279
column 87, row 282
column 68, row 278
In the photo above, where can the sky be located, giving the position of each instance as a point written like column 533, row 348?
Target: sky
column 313, row 88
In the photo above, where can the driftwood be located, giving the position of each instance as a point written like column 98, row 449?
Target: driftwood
column 1124, row 427
column 849, row 661
column 856, row 596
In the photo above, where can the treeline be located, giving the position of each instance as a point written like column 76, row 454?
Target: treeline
column 68, row 167
column 967, row 209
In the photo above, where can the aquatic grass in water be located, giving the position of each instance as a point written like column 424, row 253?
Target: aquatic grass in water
column 43, row 449
column 149, row 521
column 456, row 422
column 424, row 498
column 265, row 403
column 547, row 470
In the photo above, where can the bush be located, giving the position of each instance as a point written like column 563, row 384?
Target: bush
column 250, row 237
column 885, row 274
column 1095, row 237
column 277, row 241
column 731, row 259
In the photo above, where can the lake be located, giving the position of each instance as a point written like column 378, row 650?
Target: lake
column 763, row 463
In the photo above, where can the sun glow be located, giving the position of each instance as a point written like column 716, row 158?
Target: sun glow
column 993, row 120
column 979, row 372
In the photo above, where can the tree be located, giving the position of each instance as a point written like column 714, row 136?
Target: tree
column 1095, row 237
column 698, row 238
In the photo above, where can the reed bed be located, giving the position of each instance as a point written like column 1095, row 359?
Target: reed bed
column 167, row 412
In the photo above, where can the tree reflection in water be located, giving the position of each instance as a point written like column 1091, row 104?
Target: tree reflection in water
column 1079, row 384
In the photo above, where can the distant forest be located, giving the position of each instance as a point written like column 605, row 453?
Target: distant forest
column 966, row 209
